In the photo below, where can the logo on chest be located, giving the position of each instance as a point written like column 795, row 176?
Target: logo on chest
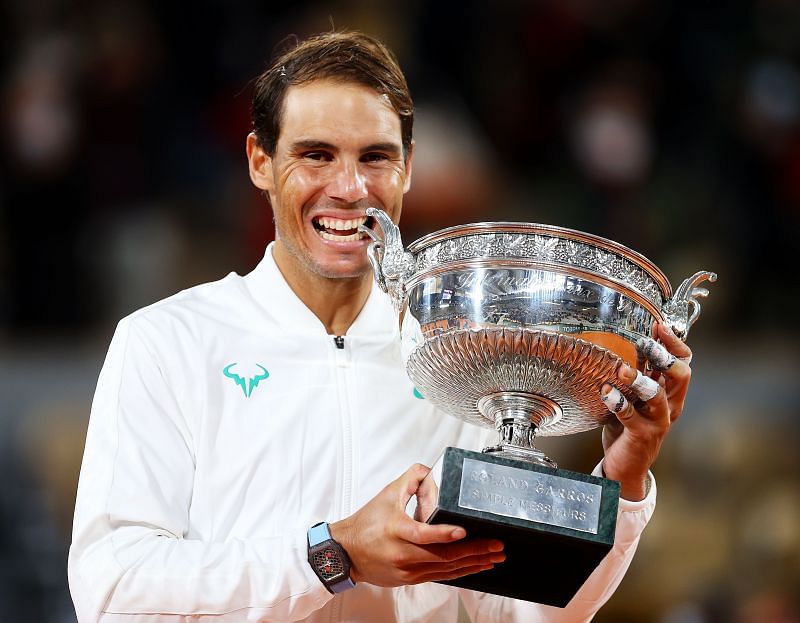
column 253, row 376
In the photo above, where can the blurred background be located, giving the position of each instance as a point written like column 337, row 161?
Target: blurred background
column 673, row 128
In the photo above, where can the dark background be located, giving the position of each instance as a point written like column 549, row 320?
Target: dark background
column 673, row 128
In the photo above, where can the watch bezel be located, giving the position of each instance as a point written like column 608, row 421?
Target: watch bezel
column 340, row 581
column 338, row 551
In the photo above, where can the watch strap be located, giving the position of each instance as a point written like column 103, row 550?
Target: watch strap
column 319, row 534
column 342, row 585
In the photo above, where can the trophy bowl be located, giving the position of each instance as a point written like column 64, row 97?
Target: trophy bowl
column 516, row 326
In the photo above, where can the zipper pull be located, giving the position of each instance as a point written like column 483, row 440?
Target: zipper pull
column 339, row 341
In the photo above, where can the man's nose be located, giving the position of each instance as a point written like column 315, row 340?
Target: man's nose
column 349, row 184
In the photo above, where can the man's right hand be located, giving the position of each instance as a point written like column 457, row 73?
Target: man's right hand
column 389, row 548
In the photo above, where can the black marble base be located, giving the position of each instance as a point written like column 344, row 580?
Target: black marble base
column 545, row 562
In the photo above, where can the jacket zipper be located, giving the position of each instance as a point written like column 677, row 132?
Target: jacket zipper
column 343, row 376
column 342, row 358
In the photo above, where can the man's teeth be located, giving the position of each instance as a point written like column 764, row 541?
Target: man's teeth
column 334, row 223
column 348, row 238
column 325, row 225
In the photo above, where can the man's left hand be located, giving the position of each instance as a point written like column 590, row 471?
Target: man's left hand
column 633, row 438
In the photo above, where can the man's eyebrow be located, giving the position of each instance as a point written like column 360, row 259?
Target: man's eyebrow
column 389, row 148
column 312, row 143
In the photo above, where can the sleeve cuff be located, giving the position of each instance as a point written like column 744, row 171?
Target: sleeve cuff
column 628, row 506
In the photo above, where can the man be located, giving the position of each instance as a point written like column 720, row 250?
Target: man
column 232, row 418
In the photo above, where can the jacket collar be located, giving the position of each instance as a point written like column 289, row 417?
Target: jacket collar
column 273, row 294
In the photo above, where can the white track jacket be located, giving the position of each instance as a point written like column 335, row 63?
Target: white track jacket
column 225, row 423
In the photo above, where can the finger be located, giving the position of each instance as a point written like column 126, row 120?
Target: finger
column 465, row 550
column 451, row 555
column 427, row 534
column 451, row 575
column 651, row 399
column 673, row 343
column 644, row 387
column 676, row 388
column 679, row 373
column 436, row 565
column 655, row 354
column 615, row 402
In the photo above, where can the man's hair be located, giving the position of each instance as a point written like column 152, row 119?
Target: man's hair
column 347, row 57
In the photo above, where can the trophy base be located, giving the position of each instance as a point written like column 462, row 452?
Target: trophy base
column 557, row 525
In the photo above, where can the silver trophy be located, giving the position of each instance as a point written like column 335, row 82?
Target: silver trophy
column 516, row 326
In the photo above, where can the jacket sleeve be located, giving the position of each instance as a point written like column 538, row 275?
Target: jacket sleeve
column 632, row 517
column 132, row 556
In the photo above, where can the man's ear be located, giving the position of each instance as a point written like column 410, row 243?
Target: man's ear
column 260, row 164
column 409, row 159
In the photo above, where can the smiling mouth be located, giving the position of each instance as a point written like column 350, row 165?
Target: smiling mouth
column 341, row 230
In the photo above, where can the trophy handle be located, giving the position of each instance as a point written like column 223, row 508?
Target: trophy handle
column 683, row 309
column 390, row 262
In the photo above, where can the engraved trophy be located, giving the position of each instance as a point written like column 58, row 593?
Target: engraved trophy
column 515, row 327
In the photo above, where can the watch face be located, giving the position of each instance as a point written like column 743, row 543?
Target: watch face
column 329, row 563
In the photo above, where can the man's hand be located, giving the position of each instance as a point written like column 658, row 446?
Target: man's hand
column 632, row 439
column 389, row 548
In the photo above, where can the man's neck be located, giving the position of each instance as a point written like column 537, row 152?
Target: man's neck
column 336, row 302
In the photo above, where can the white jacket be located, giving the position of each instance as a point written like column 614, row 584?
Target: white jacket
column 225, row 423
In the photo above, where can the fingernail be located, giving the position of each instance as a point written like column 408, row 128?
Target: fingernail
column 614, row 400
column 496, row 546
column 644, row 386
column 498, row 558
column 458, row 533
column 626, row 373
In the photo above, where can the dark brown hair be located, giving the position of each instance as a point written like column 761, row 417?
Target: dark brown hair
column 343, row 56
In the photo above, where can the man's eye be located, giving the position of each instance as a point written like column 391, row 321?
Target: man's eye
column 374, row 157
column 317, row 155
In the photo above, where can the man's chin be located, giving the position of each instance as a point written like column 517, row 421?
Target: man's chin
column 330, row 263
column 345, row 272
column 343, row 267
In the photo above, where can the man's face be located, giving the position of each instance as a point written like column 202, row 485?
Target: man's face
column 339, row 152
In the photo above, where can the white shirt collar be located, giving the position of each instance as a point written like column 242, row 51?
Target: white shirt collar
column 270, row 290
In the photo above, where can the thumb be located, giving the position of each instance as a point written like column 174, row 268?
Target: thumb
column 413, row 482
column 409, row 483
column 427, row 499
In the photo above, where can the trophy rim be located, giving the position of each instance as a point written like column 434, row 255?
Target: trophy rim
column 456, row 231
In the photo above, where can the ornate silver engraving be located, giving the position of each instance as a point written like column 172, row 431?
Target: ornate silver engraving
column 456, row 369
column 536, row 247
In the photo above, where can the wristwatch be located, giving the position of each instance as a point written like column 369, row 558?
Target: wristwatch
column 328, row 559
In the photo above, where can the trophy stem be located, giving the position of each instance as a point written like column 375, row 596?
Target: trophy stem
column 517, row 415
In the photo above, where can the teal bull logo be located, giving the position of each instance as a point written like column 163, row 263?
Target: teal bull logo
column 247, row 385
